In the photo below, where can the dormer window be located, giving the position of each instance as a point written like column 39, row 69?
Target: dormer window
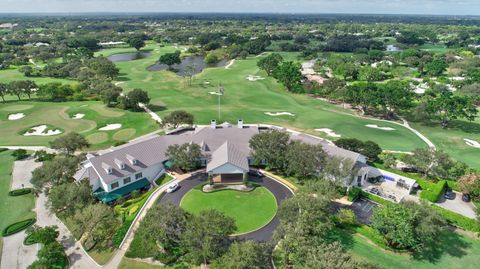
column 119, row 163
column 108, row 168
column 132, row 159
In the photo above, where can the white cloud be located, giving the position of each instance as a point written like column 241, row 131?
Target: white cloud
column 471, row 7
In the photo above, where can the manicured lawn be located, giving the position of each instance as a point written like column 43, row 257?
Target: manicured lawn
column 12, row 208
column 451, row 139
column 251, row 210
column 456, row 251
column 101, row 257
column 250, row 100
column 59, row 115
column 163, row 179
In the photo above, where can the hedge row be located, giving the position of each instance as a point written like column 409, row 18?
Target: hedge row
column 18, row 226
column 29, row 241
column 458, row 220
column 19, row 192
column 3, row 149
column 432, row 191
column 121, row 232
column 377, row 199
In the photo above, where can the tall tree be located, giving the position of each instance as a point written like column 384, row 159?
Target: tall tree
column 448, row 106
column 408, row 225
column 244, row 255
column 185, row 156
column 70, row 143
column 206, row 236
column 304, row 160
column 270, row 146
column 136, row 43
column 362, row 94
column 396, row 95
column 68, row 197
column 288, row 73
column 95, row 222
column 3, row 91
column 43, row 235
column 270, row 63
column 50, row 256
column 178, row 117
column 170, row 58
column 134, row 98
column 60, row 169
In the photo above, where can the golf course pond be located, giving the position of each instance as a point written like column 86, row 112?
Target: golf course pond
column 128, row 56
column 180, row 69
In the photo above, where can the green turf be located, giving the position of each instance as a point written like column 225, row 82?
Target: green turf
column 60, row 115
column 455, row 251
column 251, row 210
column 12, row 208
column 250, row 100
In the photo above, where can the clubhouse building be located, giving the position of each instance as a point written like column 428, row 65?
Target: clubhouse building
column 226, row 154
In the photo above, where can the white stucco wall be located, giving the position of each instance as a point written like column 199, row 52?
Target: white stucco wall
column 150, row 173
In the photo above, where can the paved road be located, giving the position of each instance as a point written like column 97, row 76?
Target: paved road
column 22, row 173
column 264, row 234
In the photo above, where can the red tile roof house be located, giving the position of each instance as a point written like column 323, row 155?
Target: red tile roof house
column 226, row 154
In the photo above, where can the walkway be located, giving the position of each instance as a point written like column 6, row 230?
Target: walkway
column 154, row 115
column 32, row 148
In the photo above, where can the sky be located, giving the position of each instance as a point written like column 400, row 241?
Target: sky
column 442, row 7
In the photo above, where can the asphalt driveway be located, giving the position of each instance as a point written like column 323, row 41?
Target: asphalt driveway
column 458, row 206
column 263, row 234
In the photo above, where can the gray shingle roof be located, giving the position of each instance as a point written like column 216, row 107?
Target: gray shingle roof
column 151, row 151
column 227, row 153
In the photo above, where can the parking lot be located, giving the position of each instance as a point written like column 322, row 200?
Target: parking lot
column 363, row 209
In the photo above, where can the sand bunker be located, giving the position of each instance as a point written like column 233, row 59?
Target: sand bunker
column 109, row 127
column 214, row 93
column 472, row 143
column 78, row 116
column 83, row 105
column 41, row 130
column 16, row 116
column 328, row 132
column 378, row 127
column 279, row 114
column 254, row 78
column 118, row 83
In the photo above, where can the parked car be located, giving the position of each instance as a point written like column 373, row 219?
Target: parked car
column 172, row 187
column 466, row 197
column 449, row 194
column 255, row 173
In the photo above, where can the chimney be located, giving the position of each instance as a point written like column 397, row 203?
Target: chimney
column 213, row 124
column 240, row 124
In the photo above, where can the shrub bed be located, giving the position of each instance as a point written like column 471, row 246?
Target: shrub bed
column 19, row 192
column 18, row 226
column 458, row 220
column 121, row 232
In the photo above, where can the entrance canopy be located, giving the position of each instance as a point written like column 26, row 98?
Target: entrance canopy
column 227, row 163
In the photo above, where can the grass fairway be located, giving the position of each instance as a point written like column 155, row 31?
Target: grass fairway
column 12, row 208
column 251, row 210
column 455, row 251
column 250, row 100
column 59, row 115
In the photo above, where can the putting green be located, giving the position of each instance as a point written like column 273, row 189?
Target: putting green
column 17, row 107
column 124, row 134
column 97, row 138
column 250, row 210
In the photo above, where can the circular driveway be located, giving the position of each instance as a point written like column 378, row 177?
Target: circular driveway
column 263, row 234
